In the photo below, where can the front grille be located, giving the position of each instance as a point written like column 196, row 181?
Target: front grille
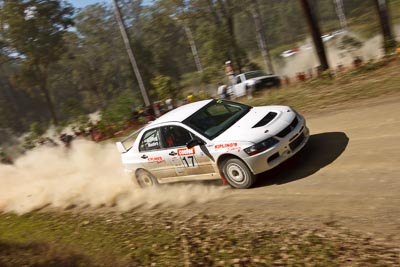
column 293, row 145
column 264, row 121
column 289, row 128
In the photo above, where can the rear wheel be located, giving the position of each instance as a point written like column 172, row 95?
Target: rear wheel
column 145, row 179
column 238, row 174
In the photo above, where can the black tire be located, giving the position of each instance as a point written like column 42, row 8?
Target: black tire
column 238, row 174
column 145, row 179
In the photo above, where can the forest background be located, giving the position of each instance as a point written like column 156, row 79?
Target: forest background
column 58, row 64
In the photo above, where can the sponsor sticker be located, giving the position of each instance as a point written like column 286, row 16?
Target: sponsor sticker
column 227, row 145
column 185, row 151
column 159, row 158
column 233, row 149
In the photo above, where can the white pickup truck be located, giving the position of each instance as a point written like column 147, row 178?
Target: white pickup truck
column 255, row 80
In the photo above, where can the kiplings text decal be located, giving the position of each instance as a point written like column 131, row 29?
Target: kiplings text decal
column 227, row 145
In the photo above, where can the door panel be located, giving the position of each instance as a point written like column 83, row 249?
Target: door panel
column 185, row 161
column 152, row 156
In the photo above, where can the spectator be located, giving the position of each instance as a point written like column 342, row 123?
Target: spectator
column 357, row 62
column 230, row 72
column 148, row 114
column 157, row 108
column 169, row 103
column 66, row 139
column 189, row 98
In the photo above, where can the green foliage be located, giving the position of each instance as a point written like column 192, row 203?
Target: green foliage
column 209, row 74
column 71, row 73
column 389, row 45
column 164, row 87
column 98, row 64
column 252, row 66
column 169, row 46
column 36, row 130
column 35, row 31
column 119, row 111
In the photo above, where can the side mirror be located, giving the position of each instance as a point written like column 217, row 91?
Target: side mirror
column 120, row 146
column 194, row 142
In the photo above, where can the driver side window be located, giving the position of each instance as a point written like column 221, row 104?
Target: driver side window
column 175, row 136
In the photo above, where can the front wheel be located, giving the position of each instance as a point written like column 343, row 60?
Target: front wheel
column 145, row 179
column 238, row 174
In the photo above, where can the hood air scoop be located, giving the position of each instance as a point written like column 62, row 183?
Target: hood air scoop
column 264, row 121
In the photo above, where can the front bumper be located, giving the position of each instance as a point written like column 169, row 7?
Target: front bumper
column 286, row 148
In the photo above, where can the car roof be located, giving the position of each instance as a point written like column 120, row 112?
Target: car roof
column 260, row 71
column 181, row 113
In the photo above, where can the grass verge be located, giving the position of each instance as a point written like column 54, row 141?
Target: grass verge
column 131, row 239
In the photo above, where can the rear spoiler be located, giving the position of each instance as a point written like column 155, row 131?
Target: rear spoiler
column 120, row 145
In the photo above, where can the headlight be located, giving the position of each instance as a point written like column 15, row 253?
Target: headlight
column 260, row 147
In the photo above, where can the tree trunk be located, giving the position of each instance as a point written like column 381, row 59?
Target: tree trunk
column 316, row 34
column 261, row 40
column 130, row 53
column 46, row 93
column 389, row 43
column 192, row 47
column 340, row 13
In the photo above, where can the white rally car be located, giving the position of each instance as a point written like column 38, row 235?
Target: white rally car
column 213, row 139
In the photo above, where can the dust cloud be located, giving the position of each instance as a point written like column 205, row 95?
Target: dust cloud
column 86, row 175
column 307, row 60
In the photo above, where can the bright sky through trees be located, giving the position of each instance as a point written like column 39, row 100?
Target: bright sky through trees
column 83, row 3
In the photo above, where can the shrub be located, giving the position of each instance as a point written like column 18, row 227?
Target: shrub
column 119, row 111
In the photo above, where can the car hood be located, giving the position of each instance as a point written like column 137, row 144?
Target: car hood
column 256, row 125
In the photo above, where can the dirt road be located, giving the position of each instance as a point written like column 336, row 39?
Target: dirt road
column 335, row 203
column 348, row 174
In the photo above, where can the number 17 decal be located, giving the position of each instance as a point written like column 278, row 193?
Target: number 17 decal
column 189, row 161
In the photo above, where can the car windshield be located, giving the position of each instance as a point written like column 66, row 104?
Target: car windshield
column 253, row 74
column 216, row 117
